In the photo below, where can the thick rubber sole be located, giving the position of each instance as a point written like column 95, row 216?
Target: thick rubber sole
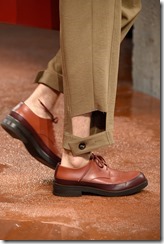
column 76, row 191
column 15, row 129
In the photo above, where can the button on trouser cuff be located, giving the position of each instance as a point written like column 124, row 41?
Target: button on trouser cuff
column 78, row 145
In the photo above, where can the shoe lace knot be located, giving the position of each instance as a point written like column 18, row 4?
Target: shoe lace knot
column 99, row 160
column 54, row 119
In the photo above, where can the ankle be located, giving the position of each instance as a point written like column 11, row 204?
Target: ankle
column 37, row 107
column 70, row 161
column 45, row 95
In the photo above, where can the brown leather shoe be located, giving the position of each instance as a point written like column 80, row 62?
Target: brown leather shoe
column 36, row 133
column 97, row 178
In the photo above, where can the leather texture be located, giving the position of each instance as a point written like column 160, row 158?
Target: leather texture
column 41, row 127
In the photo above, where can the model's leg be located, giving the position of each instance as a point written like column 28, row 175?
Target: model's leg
column 80, row 128
column 53, row 79
column 90, row 65
column 128, row 11
column 90, row 42
column 44, row 94
column 49, row 88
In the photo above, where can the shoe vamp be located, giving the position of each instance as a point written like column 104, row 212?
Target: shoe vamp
column 109, row 176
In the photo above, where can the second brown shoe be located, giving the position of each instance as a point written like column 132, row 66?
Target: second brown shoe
column 35, row 132
column 97, row 178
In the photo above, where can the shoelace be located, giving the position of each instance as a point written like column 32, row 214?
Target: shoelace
column 99, row 160
column 54, row 119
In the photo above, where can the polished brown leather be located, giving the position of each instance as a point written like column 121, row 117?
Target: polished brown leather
column 42, row 127
column 99, row 175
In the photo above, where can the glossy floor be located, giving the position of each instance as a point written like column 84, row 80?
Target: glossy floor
column 28, row 209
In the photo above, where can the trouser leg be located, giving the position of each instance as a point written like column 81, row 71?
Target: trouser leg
column 129, row 11
column 52, row 76
column 91, row 32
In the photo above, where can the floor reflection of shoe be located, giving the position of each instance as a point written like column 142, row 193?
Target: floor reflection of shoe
column 97, row 178
column 35, row 132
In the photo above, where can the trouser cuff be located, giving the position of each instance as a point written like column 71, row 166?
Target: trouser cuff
column 53, row 80
column 78, row 145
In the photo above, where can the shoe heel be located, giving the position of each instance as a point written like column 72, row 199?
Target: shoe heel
column 66, row 191
column 11, row 126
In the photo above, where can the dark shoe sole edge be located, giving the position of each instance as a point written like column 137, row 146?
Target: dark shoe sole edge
column 74, row 191
column 15, row 129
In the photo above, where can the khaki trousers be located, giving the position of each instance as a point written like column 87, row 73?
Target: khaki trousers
column 86, row 66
